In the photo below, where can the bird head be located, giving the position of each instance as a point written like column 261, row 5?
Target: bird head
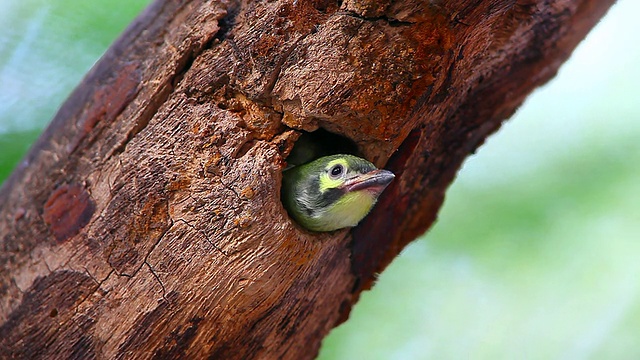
column 333, row 192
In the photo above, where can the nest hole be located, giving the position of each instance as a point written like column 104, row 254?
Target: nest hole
column 319, row 143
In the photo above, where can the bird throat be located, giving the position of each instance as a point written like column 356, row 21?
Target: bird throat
column 349, row 209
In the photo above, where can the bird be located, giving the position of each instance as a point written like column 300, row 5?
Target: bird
column 332, row 192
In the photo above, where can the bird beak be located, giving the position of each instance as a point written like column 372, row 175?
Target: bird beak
column 375, row 181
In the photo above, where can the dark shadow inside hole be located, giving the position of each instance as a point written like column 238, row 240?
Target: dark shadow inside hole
column 313, row 145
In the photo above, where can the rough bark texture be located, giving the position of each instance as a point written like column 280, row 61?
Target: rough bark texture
column 146, row 221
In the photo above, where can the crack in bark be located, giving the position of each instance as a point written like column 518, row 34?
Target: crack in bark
column 164, row 290
column 224, row 233
column 13, row 280
column 228, row 187
column 275, row 75
column 77, row 307
column 146, row 257
column 389, row 20
column 44, row 260
column 66, row 263
column 90, row 275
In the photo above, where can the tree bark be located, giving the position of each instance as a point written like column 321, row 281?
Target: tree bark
column 146, row 222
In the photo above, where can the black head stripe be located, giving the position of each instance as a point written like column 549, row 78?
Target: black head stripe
column 330, row 196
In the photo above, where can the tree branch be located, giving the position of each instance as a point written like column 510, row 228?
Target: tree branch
column 160, row 175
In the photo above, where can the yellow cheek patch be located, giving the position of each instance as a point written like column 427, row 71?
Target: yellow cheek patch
column 350, row 209
column 326, row 182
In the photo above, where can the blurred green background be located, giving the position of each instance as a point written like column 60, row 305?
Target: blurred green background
column 536, row 254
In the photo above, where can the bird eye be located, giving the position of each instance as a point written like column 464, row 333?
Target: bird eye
column 336, row 171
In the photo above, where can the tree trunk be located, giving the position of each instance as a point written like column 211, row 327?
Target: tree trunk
column 147, row 222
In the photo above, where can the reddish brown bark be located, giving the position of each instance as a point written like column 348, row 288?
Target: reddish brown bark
column 146, row 221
